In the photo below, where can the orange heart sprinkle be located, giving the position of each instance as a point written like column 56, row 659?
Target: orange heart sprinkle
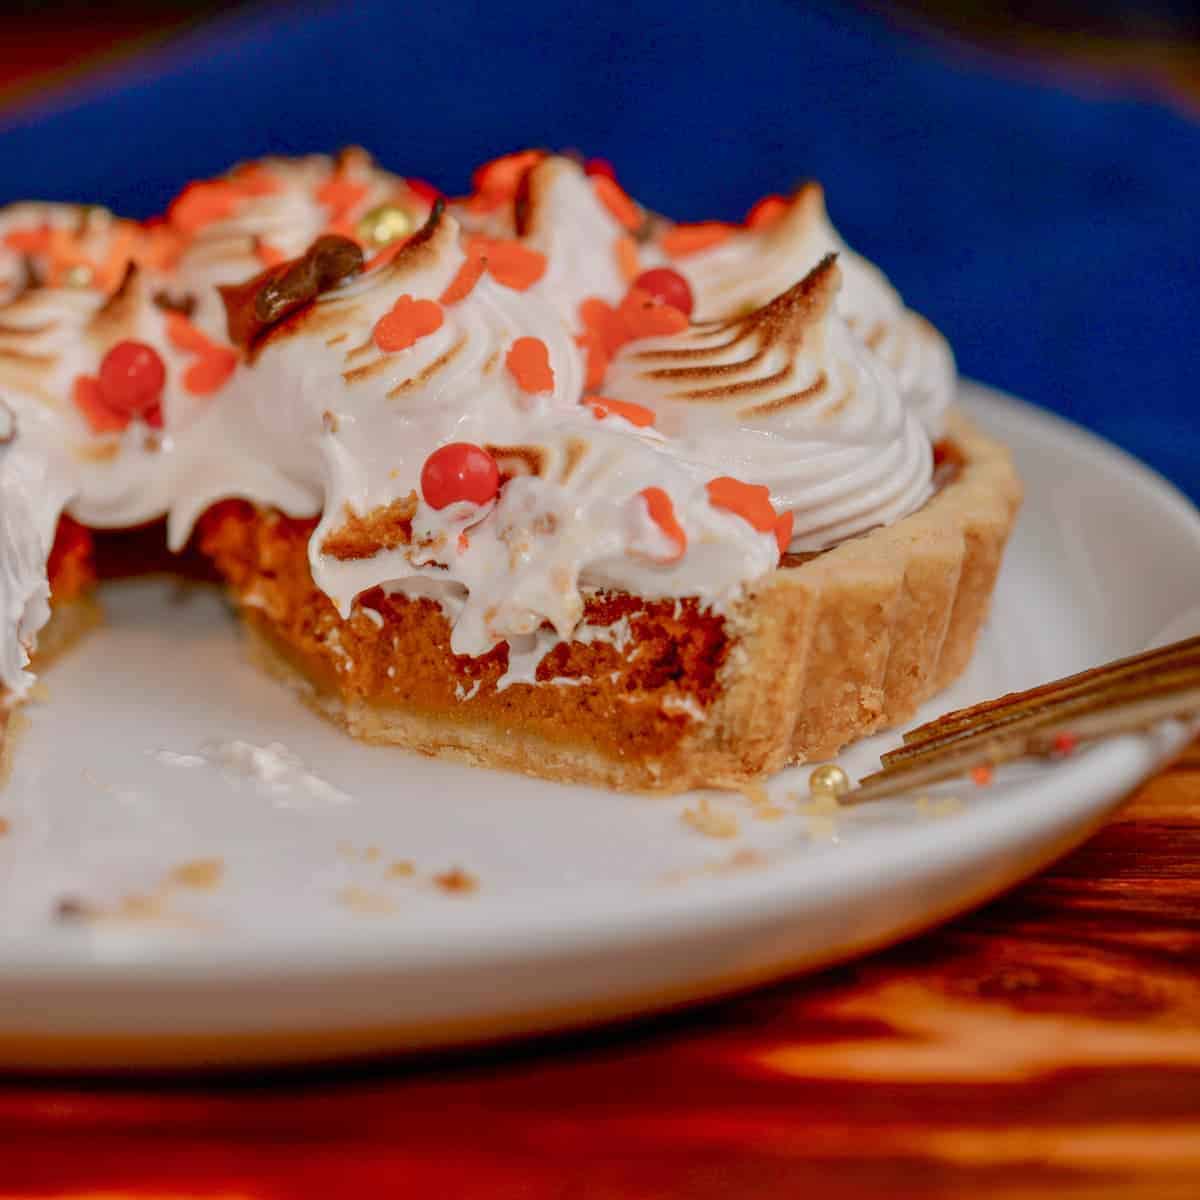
column 613, row 196
column 529, row 362
column 645, row 316
column 635, row 414
column 662, row 513
column 750, row 501
column 508, row 262
column 691, row 239
column 407, row 322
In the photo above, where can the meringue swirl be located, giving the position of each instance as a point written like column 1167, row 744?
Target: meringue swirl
column 454, row 338
column 752, row 266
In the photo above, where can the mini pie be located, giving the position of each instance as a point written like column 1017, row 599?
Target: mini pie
column 534, row 478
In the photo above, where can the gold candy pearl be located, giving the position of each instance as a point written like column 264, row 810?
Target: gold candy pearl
column 384, row 224
column 78, row 276
column 829, row 780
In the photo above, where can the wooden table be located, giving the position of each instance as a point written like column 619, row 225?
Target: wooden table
column 1047, row 1045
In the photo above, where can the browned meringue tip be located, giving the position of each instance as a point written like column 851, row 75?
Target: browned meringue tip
column 117, row 317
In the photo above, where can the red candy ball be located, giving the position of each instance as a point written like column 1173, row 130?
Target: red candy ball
column 459, row 471
column 132, row 377
column 667, row 286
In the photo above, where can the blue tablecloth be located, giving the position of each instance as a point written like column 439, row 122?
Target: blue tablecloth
column 1050, row 229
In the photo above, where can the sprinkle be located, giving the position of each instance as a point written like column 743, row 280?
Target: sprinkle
column 340, row 194
column 496, row 182
column 783, row 532
column 425, row 192
column 464, row 282
column 183, row 335
column 408, row 321
column 683, row 240
column 646, row 317
column 99, row 416
column 510, row 263
column 215, row 363
column 209, row 373
column 982, row 775
column 635, row 414
column 662, row 513
column 767, row 212
column 750, row 501
column 252, row 179
column 382, row 257
column 202, row 203
column 529, row 362
column 626, row 251
column 610, row 193
column 600, row 166
column 1065, row 744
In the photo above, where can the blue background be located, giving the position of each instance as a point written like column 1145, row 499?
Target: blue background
column 1051, row 230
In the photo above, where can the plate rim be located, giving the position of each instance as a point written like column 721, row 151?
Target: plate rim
column 758, row 897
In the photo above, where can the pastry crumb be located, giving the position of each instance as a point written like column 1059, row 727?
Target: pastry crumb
column 457, row 880
column 372, row 854
column 935, row 807
column 5, row 826
column 366, row 903
column 401, row 869
column 202, row 873
column 711, row 822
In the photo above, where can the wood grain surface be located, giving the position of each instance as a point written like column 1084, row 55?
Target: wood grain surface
column 1046, row 1045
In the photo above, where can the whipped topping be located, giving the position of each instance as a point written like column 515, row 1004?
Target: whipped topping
column 283, row 205
column 32, row 493
column 786, row 396
column 650, row 488
column 751, row 266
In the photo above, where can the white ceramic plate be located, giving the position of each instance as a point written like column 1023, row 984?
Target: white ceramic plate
column 589, row 905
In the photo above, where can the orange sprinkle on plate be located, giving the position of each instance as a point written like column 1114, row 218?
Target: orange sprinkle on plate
column 635, row 414
column 662, row 513
column 406, row 323
column 692, row 239
column 614, row 197
column 529, row 362
column 982, row 775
